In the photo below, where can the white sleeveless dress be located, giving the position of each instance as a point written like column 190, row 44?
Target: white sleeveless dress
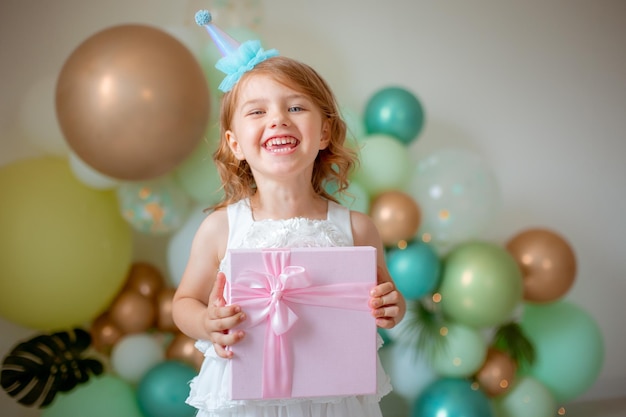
column 209, row 391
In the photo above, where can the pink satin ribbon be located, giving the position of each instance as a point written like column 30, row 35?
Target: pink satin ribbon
column 265, row 296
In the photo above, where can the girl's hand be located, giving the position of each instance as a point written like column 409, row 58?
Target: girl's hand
column 220, row 319
column 387, row 305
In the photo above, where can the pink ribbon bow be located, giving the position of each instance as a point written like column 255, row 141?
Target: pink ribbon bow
column 265, row 296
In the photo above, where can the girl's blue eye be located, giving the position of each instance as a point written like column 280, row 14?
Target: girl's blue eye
column 295, row 109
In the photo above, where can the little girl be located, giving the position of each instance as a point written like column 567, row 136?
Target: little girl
column 282, row 142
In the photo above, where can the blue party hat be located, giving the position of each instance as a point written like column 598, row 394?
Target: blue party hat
column 236, row 58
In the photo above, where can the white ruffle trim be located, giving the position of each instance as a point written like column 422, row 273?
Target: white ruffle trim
column 294, row 233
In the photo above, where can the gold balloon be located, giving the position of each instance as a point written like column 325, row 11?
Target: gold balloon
column 131, row 312
column 183, row 348
column 396, row 215
column 104, row 333
column 496, row 375
column 146, row 279
column 165, row 319
column 132, row 102
column 547, row 261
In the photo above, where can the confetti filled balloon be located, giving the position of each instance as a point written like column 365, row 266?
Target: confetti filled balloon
column 458, row 195
column 154, row 207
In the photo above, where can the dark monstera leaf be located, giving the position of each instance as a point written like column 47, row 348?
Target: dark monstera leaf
column 35, row 370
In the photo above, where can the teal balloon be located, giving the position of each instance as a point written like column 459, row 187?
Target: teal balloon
column 527, row 397
column 569, row 347
column 415, row 269
column 103, row 396
column 163, row 390
column 394, row 111
column 452, row 397
column 481, row 284
column 385, row 164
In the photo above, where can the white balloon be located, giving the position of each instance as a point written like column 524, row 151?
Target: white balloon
column 458, row 196
column 89, row 176
column 37, row 117
column 179, row 245
column 134, row 355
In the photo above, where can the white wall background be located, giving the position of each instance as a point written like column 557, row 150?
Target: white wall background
column 537, row 87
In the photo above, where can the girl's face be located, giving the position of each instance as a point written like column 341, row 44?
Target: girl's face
column 277, row 130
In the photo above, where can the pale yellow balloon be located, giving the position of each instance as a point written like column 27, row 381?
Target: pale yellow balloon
column 65, row 250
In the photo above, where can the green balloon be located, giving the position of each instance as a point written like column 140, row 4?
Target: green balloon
column 527, row 397
column 65, row 249
column 385, row 164
column 394, row 111
column 569, row 348
column 481, row 284
column 197, row 175
column 462, row 353
column 103, row 396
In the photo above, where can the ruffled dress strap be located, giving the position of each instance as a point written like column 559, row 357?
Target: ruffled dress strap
column 340, row 217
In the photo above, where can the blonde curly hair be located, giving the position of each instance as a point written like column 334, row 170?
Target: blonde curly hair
column 333, row 164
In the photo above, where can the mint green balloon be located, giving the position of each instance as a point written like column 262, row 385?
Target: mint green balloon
column 527, row 397
column 355, row 198
column 103, row 396
column 462, row 352
column 197, row 175
column 481, row 284
column 385, row 164
column 569, row 347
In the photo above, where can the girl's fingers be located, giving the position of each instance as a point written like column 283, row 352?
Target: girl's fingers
column 216, row 297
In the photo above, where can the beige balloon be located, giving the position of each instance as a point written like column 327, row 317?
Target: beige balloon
column 183, row 348
column 146, row 279
column 396, row 215
column 547, row 261
column 497, row 373
column 104, row 333
column 131, row 312
column 165, row 318
column 132, row 102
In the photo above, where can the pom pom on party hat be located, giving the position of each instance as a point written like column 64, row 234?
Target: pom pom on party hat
column 237, row 58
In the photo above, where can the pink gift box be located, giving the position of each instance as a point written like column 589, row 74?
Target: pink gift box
column 309, row 330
